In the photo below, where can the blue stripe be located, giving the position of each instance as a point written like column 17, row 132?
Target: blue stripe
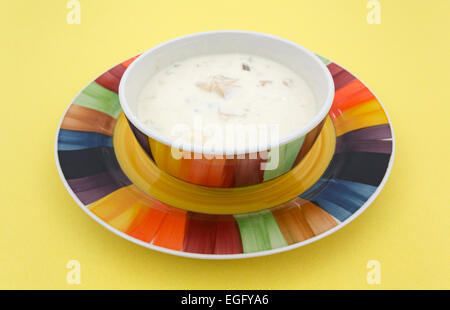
column 69, row 140
column 338, row 197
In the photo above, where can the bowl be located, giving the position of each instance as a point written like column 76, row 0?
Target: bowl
column 242, row 165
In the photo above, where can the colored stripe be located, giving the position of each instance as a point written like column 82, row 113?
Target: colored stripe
column 326, row 61
column 125, row 209
column 111, row 78
column 141, row 138
column 300, row 220
column 259, row 232
column 292, row 222
column 287, row 156
column 362, row 167
column 319, row 220
column 216, row 172
column 150, row 224
column 339, row 197
column 99, row 98
column 341, row 77
column 184, row 167
column 364, row 115
column 172, row 231
column 159, row 152
column 86, row 119
column 376, row 139
column 117, row 202
column 378, row 132
column 138, row 219
column 128, row 62
column 173, row 165
column 310, row 139
column 353, row 94
column 77, row 140
column 200, row 233
column 124, row 220
column 373, row 146
column 248, row 171
column 291, row 151
column 212, row 234
column 198, row 173
column 271, row 174
column 229, row 171
column 91, row 188
column 228, row 237
column 87, row 162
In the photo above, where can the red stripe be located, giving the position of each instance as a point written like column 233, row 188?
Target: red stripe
column 212, row 234
column 341, row 77
column 111, row 78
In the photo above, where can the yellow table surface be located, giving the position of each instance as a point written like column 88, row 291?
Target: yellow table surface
column 45, row 61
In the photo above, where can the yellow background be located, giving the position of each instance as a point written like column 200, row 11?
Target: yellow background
column 44, row 62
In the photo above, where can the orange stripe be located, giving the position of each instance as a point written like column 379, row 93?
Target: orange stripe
column 138, row 220
column 199, row 170
column 172, row 231
column 147, row 228
column 128, row 62
column 319, row 220
column 292, row 222
column 216, row 172
column 349, row 96
column 86, row 119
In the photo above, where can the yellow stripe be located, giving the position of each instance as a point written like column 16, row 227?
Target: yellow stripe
column 125, row 219
column 363, row 115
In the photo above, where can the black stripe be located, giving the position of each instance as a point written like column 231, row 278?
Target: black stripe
column 362, row 167
column 87, row 162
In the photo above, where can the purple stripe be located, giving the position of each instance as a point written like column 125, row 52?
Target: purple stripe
column 369, row 133
column 91, row 188
column 95, row 194
column 375, row 139
column 371, row 146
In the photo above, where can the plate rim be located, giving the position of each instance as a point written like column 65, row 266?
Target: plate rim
column 241, row 255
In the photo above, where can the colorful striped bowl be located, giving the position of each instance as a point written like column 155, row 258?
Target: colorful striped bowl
column 235, row 167
column 113, row 180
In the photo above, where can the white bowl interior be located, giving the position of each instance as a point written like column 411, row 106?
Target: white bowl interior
column 292, row 55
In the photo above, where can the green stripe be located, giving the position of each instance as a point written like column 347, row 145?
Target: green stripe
column 326, row 61
column 287, row 156
column 292, row 150
column 99, row 98
column 259, row 232
column 270, row 174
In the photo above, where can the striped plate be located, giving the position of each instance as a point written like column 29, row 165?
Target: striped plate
column 109, row 175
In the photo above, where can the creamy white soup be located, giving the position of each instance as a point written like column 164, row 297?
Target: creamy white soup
column 206, row 99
